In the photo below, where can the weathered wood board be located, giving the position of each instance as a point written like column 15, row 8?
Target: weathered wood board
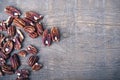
column 90, row 39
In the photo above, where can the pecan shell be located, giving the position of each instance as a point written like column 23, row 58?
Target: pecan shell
column 46, row 38
column 12, row 11
column 55, row 34
column 31, row 49
column 8, row 47
column 32, row 60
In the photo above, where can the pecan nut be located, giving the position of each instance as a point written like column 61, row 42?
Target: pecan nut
column 19, row 22
column 12, row 11
column 8, row 47
column 29, row 29
column 22, row 53
column 2, row 37
column 37, row 67
column 23, row 73
column 7, row 69
column 29, row 22
column 31, row 49
column 46, row 38
column 17, row 43
column 3, row 55
column 32, row 60
column 55, row 34
column 15, row 61
column 11, row 30
column 9, row 21
column 39, row 28
column 3, row 26
column 33, row 35
column 1, row 73
column 20, row 35
column 2, row 61
column 35, row 17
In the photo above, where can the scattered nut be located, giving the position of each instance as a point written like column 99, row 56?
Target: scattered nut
column 36, row 67
column 31, row 49
column 12, row 11
column 19, row 22
column 7, row 69
column 15, row 61
column 22, row 53
column 29, row 29
column 8, row 47
column 39, row 28
column 11, row 30
column 46, row 38
column 33, row 16
column 32, row 60
column 55, row 34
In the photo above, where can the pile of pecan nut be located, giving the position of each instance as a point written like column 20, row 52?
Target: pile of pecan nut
column 13, row 26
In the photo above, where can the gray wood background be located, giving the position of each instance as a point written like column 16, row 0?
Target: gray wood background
column 90, row 39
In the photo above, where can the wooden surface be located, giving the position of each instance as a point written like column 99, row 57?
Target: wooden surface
column 90, row 39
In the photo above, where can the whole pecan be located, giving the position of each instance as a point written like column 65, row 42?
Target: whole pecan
column 8, row 47
column 11, row 30
column 19, row 22
column 20, row 35
column 55, row 34
column 7, row 69
column 37, row 67
column 33, row 35
column 29, row 29
column 39, row 28
column 33, row 16
column 29, row 22
column 12, row 11
column 31, row 49
column 15, row 61
column 32, row 60
column 46, row 38
column 22, row 53
column 17, row 43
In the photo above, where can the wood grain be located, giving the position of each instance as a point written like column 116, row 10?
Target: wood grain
column 90, row 39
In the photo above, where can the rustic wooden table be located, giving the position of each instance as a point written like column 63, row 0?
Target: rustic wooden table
column 90, row 39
